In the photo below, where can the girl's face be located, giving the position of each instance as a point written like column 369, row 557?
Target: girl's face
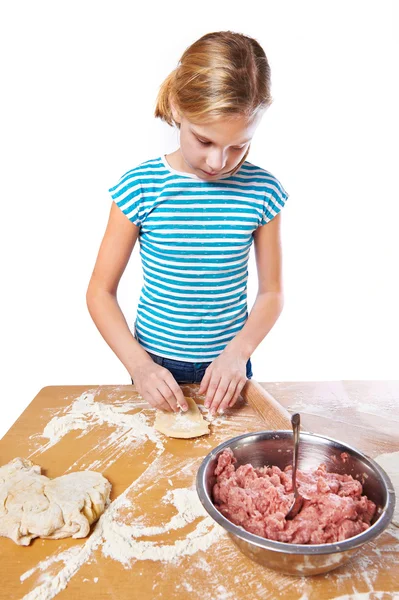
column 213, row 149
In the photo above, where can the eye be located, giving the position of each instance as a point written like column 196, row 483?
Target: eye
column 237, row 148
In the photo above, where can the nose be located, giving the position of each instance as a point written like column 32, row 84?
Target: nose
column 216, row 160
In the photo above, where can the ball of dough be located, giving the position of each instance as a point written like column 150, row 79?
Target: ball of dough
column 33, row 505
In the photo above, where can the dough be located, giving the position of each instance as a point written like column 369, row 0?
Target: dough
column 181, row 424
column 32, row 505
column 390, row 463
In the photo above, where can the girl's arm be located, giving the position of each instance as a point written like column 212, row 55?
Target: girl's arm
column 226, row 375
column 154, row 383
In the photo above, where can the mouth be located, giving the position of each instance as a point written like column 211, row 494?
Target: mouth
column 210, row 174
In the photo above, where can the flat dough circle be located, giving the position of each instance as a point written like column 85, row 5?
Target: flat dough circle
column 390, row 463
column 181, row 424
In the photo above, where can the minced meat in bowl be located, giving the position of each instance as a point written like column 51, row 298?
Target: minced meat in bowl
column 258, row 499
column 231, row 492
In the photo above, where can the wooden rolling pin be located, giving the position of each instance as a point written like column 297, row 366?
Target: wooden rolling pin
column 274, row 415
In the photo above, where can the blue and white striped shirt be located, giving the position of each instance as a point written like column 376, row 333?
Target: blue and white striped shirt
column 195, row 238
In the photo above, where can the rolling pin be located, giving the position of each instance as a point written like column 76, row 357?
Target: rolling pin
column 274, row 415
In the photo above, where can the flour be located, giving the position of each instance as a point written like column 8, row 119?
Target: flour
column 187, row 586
column 189, row 508
column 203, row 565
column 120, row 541
column 182, row 423
column 84, row 414
column 124, row 542
column 44, row 564
column 215, row 420
column 365, row 569
column 367, row 596
column 222, row 594
column 390, row 463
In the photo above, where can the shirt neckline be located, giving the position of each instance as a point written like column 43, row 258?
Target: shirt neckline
column 190, row 175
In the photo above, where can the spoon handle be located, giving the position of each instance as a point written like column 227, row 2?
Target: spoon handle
column 296, row 423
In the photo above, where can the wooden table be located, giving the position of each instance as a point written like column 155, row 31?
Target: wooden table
column 144, row 473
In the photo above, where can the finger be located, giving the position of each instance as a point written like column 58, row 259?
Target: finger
column 219, row 395
column 230, row 396
column 176, row 391
column 157, row 401
column 205, row 382
column 212, row 387
column 224, row 393
column 235, row 396
column 237, row 393
column 164, row 406
column 168, row 395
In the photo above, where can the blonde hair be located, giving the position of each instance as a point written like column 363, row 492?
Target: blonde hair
column 223, row 74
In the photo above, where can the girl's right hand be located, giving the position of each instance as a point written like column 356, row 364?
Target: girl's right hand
column 157, row 386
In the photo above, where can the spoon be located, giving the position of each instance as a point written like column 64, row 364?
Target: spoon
column 298, row 500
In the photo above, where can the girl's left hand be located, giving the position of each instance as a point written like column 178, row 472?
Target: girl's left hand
column 223, row 381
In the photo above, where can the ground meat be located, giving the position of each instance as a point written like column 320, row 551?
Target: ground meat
column 258, row 500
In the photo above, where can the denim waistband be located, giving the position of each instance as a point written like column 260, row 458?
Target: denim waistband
column 188, row 372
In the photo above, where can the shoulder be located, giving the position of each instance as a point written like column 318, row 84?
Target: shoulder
column 262, row 176
column 136, row 176
column 274, row 195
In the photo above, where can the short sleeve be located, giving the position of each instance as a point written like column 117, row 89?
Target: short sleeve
column 127, row 194
column 274, row 200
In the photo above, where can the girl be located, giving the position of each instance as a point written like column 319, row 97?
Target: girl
column 195, row 212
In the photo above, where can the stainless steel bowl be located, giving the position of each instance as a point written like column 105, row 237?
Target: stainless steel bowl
column 275, row 448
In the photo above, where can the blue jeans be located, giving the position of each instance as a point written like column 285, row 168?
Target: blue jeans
column 187, row 372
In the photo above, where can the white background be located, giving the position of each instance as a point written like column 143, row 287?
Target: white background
column 79, row 81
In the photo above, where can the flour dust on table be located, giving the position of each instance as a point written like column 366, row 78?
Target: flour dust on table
column 120, row 540
column 177, row 538
column 390, row 463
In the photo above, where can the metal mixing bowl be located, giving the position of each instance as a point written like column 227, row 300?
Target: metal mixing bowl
column 275, row 448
